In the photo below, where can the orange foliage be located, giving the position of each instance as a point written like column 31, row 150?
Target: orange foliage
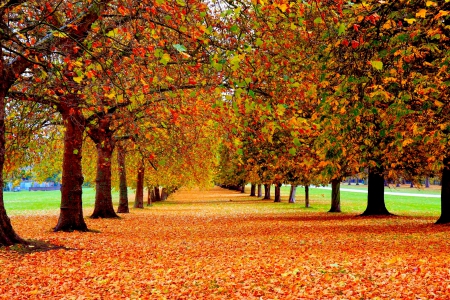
column 221, row 245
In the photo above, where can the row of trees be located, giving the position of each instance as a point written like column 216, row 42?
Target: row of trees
column 297, row 92
column 338, row 89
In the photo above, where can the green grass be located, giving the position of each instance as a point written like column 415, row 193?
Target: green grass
column 25, row 201
column 351, row 202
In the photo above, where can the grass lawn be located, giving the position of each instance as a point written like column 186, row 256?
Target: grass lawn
column 44, row 201
column 351, row 202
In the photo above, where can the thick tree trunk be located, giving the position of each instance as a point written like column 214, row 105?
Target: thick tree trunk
column 139, row 200
column 123, row 189
column 307, row 196
column 292, row 194
column 259, row 190
column 253, row 190
column 277, row 192
column 335, row 195
column 157, row 194
column 71, row 211
column 266, row 192
column 103, row 199
column 375, row 194
column 445, row 193
column 7, row 234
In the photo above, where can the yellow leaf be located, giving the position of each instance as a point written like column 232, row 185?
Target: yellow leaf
column 421, row 13
column 410, row 21
column 431, row 3
column 78, row 79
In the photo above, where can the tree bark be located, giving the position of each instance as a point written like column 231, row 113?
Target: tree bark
column 123, row 189
column 103, row 199
column 427, row 182
column 375, row 194
column 7, row 234
column 292, row 194
column 253, row 190
column 242, row 188
column 266, row 192
column 139, row 200
column 277, row 192
column 157, row 193
column 307, row 196
column 335, row 195
column 164, row 194
column 259, row 190
column 150, row 195
column 71, row 211
column 445, row 193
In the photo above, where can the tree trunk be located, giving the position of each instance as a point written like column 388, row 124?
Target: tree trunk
column 266, row 192
column 103, row 199
column 150, row 195
column 139, row 200
column 427, row 182
column 292, row 194
column 164, row 194
column 375, row 194
column 157, row 193
column 277, row 192
column 357, row 181
column 242, row 188
column 445, row 193
column 335, row 195
column 307, row 196
column 123, row 189
column 349, row 181
column 253, row 190
column 7, row 234
column 71, row 211
column 259, row 190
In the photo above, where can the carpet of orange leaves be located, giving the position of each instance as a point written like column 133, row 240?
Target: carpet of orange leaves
column 202, row 245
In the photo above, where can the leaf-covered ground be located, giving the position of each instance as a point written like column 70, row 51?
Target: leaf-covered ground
column 222, row 245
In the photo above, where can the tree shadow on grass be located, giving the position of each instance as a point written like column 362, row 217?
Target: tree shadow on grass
column 33, row 246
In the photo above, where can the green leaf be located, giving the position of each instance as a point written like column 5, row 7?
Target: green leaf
column 341, row 29
column 180, row 48
column 75, row 151
column 297, row 142
column 318, row 20
column 292, row 151
column 378, row 65
column 259, row 42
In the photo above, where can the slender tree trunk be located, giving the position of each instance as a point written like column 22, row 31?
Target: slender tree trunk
column 411, row 185
column 335, row 195
column 71, row 211
column 427, row 182
column 103, row 199
column 150, row 193
column 164, row 194
column 139, row 200
column 277, row 192
column 259, row 190
column 375, row 194
column 307, row 196
column 357, row 181
column 445, row 193
column 242, row 187
column 123, row 189
column 266, row 191
column 157, row 193
column 292, row 193
column 349, row 181
column 253, row 190
column 7, row 234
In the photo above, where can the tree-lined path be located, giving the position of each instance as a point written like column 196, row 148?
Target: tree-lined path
column 221, row 244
